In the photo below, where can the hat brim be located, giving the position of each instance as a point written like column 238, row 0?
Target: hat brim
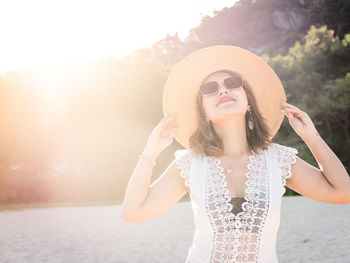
column 182, row 86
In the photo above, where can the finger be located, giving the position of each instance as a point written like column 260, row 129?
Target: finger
column 289, row 115
column 166, row 120
column 169, row 118
column 296, row 111
column 166, row 128
column 290, row 106
column 172, row 130
column 168, row 132
column 290, row 109
column 296, row 115
column 293, row 113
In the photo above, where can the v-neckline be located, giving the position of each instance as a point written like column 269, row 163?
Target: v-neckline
column 248, row 170
column 247, row 183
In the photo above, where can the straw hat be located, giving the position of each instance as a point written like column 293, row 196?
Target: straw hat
column 182, row 86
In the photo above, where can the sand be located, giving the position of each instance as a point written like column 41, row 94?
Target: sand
column 310, row 231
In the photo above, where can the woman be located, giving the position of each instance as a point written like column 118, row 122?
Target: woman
column 234, row 174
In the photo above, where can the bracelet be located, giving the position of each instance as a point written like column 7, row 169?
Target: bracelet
column 146, row 158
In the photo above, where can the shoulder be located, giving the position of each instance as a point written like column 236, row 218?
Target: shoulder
column 283, row 149
column 183, row 153
column 183, row 158
column 285, row 157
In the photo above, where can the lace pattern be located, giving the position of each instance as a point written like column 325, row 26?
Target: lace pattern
column 286, row 156
column 183, row 159
column 237, row 237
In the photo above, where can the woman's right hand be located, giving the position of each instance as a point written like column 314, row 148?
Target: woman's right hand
column 161, row 137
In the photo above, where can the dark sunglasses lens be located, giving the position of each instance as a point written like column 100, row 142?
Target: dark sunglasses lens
column 233, row 82
column 209, row 88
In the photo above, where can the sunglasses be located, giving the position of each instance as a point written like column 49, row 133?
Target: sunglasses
column 212, row 87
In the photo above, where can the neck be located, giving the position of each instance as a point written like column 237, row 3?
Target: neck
column 233, row 135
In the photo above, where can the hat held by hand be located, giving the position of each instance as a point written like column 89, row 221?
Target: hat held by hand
column 182, row 86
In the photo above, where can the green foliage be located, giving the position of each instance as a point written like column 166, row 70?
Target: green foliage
column 316, row 77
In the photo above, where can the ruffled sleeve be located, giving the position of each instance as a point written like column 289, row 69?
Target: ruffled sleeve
column 286, row 156
column 183, row 160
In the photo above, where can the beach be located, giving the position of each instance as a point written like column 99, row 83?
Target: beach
column 310, row 231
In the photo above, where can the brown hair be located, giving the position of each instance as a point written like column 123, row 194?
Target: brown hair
column 258, row 138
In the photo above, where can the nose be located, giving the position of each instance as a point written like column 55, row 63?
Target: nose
column 222, row 89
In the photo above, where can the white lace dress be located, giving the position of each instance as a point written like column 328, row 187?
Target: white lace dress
column 250, row 236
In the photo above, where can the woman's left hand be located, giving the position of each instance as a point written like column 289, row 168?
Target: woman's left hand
column 299, row 120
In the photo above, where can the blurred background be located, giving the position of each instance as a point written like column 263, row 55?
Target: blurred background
column 81, row 83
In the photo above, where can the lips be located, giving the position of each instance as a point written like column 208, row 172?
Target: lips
column 225, row 99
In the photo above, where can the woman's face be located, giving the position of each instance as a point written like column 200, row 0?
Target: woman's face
column 217, row 111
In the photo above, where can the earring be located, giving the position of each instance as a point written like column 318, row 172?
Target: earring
column 250, row 121
column 210, row 132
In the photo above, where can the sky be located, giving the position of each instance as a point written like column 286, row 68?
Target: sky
column 39, row 34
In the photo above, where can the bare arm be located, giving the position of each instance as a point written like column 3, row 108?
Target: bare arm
column 330, row 183
column 138, row 188
column 161, row 195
